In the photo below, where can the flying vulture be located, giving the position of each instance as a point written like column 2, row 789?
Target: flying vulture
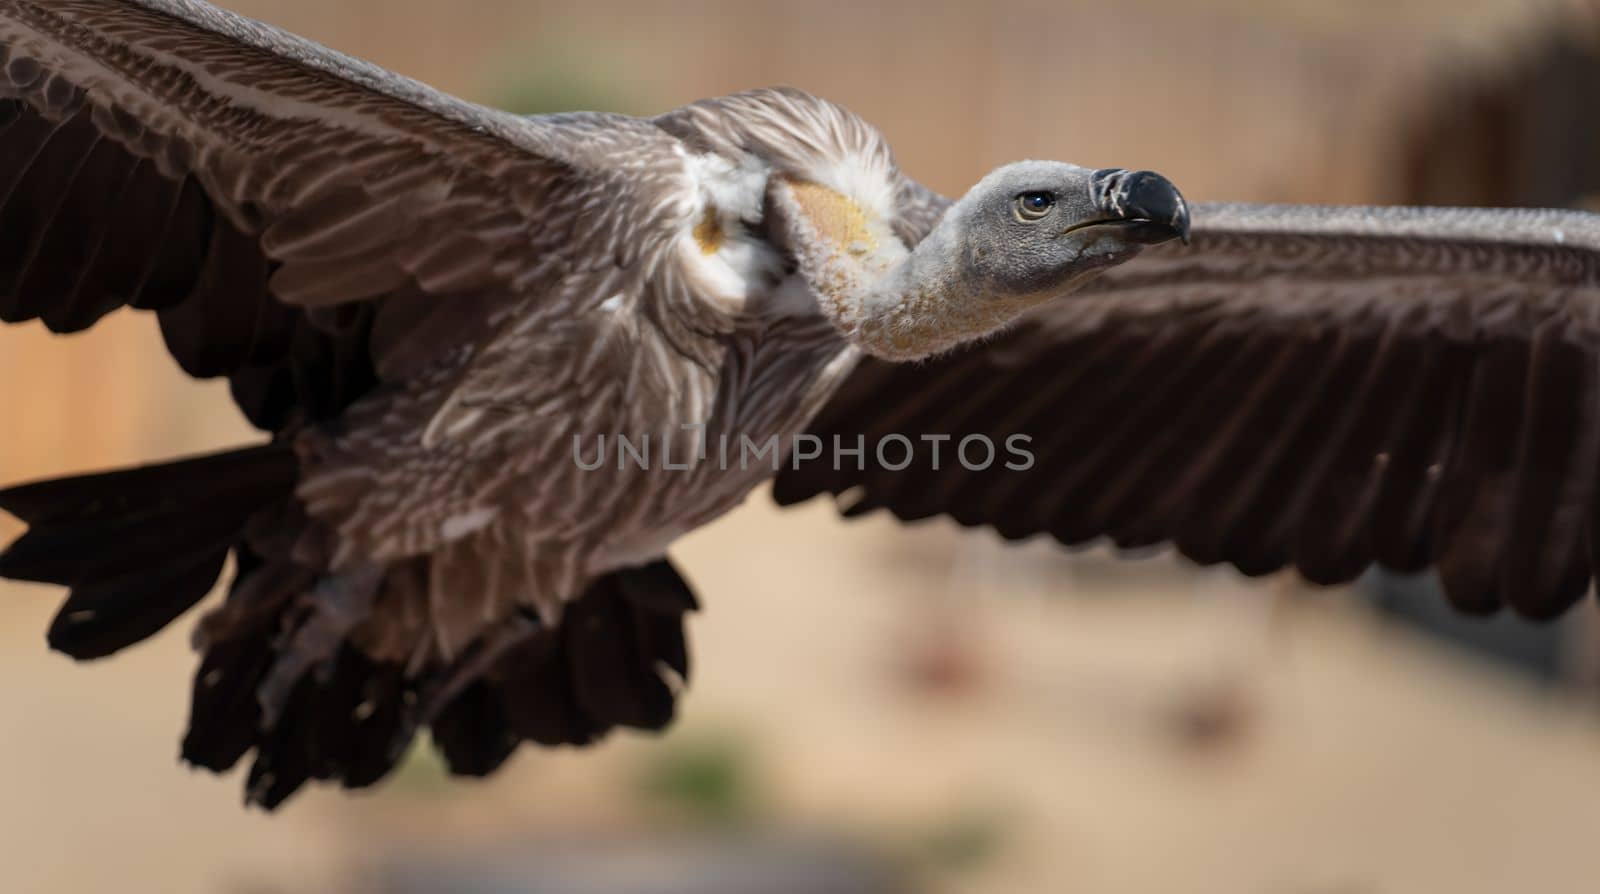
column 446, row 317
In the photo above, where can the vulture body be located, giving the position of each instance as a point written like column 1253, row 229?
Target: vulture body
column 437, row 311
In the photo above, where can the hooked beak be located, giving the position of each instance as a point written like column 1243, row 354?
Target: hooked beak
column 1143, row 204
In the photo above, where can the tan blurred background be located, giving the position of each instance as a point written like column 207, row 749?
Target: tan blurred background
column 917, row 705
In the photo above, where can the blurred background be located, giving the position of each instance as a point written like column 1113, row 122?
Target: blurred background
column 885, row 709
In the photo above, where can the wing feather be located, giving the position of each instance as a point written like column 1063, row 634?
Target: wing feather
column 1554, row 483
column 1320, row 388
column 254, row 168
column 80, row 242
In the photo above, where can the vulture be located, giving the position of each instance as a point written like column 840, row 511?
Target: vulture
column 500, row 363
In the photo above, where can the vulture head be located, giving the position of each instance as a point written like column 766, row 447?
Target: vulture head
column 1028, row 233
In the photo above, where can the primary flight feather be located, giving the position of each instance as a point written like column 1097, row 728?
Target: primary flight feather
column 432, row 307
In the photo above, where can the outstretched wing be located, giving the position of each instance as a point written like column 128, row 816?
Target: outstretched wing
column 1312, row 387
column 310, row 227
column 302, row 222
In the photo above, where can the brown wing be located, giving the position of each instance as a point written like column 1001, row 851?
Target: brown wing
column 1317, row 388
column 301, row 222
column 308, row 226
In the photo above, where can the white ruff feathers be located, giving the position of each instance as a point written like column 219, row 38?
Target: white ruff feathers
column 820, row 143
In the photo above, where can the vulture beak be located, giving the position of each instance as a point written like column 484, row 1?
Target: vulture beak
column 1143, row 203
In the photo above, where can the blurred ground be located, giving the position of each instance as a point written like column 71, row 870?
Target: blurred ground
column 972, row 717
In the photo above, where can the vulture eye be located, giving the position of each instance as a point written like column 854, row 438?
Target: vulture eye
column 1035, row 205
